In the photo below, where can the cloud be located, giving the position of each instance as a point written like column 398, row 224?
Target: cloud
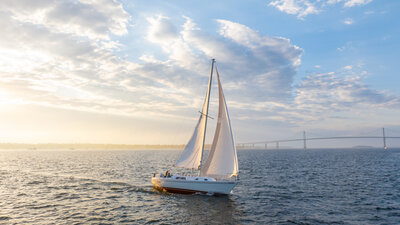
column 348, row 21
column 351, row 3
column 329, row 92
column 66, row 69
column 263, row 64
column 303, row 8
column 316, row 99
column 90, row 18
column 349, row 67
column 161, row 30
column 300, row 8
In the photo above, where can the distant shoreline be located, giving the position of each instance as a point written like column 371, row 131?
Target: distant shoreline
column 83, row 146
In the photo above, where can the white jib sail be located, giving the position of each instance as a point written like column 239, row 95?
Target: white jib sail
column 222, row 160
column 192, row 154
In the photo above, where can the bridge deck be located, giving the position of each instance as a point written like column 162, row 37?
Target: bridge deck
column 318, row 138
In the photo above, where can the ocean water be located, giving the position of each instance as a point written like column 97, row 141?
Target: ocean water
column 336, row 186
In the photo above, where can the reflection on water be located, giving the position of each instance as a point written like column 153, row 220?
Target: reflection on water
column 201, row 209
column 276, row 187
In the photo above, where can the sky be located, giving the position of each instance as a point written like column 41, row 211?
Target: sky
column 136, row 72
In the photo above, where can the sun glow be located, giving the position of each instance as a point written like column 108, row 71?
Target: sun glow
column 22, row 60
column 6, row 100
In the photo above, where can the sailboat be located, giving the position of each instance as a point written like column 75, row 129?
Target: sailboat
column 218, row 174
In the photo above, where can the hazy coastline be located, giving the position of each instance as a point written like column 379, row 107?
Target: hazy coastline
column 85, row 146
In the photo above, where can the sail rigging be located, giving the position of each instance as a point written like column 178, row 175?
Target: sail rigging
column 222, row 160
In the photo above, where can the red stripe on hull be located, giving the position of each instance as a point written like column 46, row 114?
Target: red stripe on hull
column 182, row 191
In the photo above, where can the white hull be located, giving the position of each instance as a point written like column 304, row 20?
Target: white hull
column 189, row 185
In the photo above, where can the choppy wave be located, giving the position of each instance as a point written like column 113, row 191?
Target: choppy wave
column 276, row 187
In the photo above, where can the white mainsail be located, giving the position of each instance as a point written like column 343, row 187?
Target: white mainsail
column 222, row 160
column 193, row 152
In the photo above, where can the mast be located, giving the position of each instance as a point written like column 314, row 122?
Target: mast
column 206, row 113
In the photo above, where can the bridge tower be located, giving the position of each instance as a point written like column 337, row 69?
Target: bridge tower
column 384, row 139
column 304, row 140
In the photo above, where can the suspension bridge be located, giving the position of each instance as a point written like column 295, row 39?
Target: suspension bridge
column 305, row 140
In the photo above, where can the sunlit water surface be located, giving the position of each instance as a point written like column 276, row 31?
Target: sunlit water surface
column 347, row 186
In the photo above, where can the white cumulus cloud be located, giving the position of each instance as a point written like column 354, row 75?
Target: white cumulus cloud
column 300, row 8
column 89, row 18
column 263, row 64
column 351, row 3
column 303, row 8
